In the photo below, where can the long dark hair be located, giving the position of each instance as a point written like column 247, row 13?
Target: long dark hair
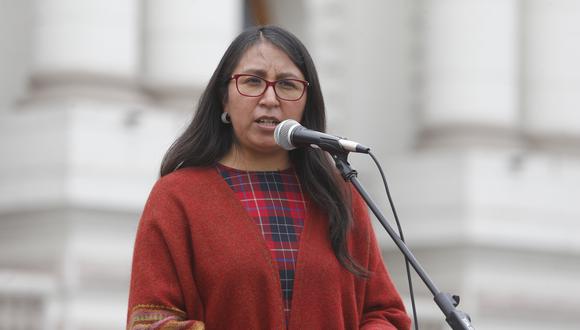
column 206, row 140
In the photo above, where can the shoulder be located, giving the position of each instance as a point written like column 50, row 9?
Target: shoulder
column 180, row 194
column 188, row 179
column 187, row 183
column 358, row 207
column 361, row 222
column 188, row 175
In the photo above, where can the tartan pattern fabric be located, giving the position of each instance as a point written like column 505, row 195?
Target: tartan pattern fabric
column 275, row 202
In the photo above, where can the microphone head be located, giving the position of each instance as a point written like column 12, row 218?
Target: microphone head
column 283, row 133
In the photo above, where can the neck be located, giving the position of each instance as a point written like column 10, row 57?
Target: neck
column 246, row 161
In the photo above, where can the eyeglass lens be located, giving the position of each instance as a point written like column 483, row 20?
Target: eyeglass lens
column 287, row 89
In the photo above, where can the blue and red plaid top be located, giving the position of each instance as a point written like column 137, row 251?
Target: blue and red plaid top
column 275, row 201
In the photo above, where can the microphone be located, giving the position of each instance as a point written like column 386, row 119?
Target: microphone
column 289, row 134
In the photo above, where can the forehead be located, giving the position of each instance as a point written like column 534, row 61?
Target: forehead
column 266, row 57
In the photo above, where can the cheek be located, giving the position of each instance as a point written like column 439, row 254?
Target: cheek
column 235, row 106
column 240, row 115
column 240, row 127
column 297, row 111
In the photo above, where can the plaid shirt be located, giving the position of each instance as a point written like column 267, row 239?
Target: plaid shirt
column 275, row 201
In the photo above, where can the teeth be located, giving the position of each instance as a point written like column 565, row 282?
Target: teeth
column 268, row 121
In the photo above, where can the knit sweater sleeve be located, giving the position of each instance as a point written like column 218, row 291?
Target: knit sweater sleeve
column 162, row 284
column 383, row 307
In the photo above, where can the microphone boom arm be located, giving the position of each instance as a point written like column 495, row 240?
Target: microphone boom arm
column 456, row 319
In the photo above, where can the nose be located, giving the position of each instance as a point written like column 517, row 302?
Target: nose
column 269, row 98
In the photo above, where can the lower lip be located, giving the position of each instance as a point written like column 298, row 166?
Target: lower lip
column 269, row 127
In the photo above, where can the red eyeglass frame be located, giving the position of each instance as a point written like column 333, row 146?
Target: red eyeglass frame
column 268, row 84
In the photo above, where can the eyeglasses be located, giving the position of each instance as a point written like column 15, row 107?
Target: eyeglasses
column 285, row 89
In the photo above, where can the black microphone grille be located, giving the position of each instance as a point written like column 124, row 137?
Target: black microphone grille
column 283, row 132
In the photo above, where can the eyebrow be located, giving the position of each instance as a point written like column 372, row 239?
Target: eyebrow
column 262, row 73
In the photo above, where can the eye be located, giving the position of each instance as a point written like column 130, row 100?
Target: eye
column 288, row 84
column 251, row 80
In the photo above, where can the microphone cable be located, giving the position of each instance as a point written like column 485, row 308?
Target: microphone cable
column 411, row 292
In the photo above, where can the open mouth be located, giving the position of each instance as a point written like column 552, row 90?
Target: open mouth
column 268, row 121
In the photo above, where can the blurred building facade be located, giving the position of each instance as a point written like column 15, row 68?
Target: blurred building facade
column 472, row 106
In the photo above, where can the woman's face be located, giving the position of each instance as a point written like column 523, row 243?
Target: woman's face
column 255, row 118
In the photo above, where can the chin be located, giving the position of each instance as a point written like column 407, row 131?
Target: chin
column 269, row 148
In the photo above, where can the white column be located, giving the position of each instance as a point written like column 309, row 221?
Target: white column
column 15, row 50
column 469, row 71
column 184, row 41
column 325, row 25
column 552, row 72
column 81, row 110
column 378, row 72
column 85, row 43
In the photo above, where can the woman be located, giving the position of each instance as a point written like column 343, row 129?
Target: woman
column 239, row 233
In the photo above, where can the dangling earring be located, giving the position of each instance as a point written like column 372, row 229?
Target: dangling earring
column 226, row 118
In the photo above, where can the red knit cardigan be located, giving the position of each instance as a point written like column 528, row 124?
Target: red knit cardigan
column 200, row 263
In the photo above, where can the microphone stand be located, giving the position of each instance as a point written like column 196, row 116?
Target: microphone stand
column 456, row 319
